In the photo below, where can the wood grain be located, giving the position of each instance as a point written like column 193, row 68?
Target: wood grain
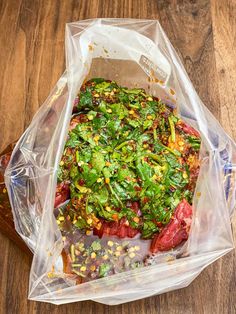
column 31, row 61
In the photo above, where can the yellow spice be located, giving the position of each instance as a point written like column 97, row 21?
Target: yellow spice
column 83, row 268
column 93, row 255
column 132, row 255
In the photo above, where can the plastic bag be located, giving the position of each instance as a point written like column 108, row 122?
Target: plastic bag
column 133, row 53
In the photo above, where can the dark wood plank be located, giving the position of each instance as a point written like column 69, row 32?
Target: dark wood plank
column 31, row 61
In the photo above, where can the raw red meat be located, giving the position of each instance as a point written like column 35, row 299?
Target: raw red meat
column 176, row 231
column 76, row 120
column 62, row 193
column 116, row 228
column 187, row 129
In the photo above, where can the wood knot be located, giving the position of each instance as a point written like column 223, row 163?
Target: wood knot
column 222, row 71
column 195, row 13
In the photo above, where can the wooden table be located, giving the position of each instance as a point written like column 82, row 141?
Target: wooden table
column 32, row 59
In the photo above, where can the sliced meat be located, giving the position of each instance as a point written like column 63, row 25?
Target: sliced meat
column 176, row 231
column 187, row 129
column 116, row 228
column 80, row 118
column 62, row 193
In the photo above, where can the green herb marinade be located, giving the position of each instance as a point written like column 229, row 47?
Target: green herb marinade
column 125, row 147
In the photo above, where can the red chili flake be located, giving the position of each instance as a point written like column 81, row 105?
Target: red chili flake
column 145, row 200
column 83, row 117
column 115, row 217
column 109, row 100
column 81, row 182
column 165, row 114
column 139, row 180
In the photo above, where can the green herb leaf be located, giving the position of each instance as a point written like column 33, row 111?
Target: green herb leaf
column 96, row 245
column 86, row 100
column 147, row 124
column 195, row 142
column 98, row 161
column 104, row 269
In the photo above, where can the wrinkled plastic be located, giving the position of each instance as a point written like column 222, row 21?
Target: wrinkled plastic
column 133, row 53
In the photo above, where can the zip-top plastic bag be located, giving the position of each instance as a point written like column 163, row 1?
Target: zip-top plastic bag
column 134, row 53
